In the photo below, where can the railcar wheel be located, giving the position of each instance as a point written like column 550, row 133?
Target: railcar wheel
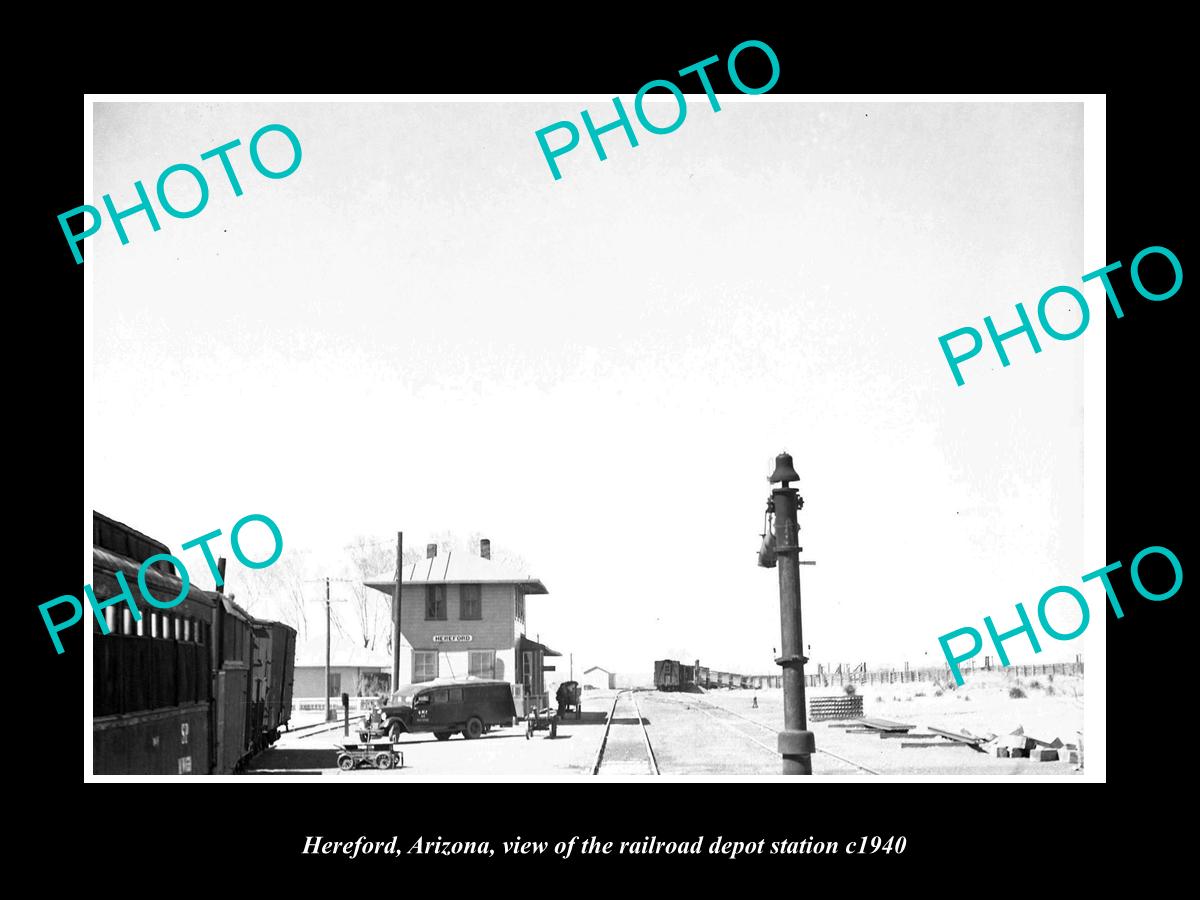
column 474, row 728
column 383, row 761
column 345, row 762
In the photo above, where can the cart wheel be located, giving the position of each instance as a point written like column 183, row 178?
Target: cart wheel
column 528, row 729
column 474, row 728
column 383, row 761
column 553, row 727
column 345, row 762
column 579, row 712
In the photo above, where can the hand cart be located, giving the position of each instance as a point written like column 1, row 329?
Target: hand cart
column 376, row 754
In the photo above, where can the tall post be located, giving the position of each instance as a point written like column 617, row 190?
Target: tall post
column 396, row 611
column 796, row 742
column 327, row 679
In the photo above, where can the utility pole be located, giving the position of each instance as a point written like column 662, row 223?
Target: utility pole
column 396, row 611
column 796, row 743
column 327, row 679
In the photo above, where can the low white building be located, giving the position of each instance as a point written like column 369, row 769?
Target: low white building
column 598, row 677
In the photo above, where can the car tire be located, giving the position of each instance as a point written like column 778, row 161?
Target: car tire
column 443, row 735
column 395, row 731
column 474, row 728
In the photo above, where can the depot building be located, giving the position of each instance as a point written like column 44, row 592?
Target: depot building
column 463, row 615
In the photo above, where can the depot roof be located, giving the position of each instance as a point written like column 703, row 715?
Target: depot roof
column 457, row 568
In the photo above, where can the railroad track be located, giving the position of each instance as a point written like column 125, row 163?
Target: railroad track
column 625, row 747
column 322, row 727
column 736, row 722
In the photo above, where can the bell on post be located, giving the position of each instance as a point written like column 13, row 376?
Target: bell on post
column 784, row 470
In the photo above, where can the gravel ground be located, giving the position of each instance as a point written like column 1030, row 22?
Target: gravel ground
column 697, row 735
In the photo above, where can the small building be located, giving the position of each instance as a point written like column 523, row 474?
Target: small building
column 464, row 616
column 354, row 669
column 597, row 677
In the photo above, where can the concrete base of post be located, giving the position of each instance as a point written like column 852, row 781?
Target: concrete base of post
column 797, row 748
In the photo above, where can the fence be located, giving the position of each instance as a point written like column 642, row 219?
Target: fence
column 846, row 674
column 841, row 675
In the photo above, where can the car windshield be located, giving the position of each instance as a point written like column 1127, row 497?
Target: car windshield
column 403, row 695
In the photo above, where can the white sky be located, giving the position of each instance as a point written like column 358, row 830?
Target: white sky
column 421, row 330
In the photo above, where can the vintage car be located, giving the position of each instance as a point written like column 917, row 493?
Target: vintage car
column 447, row 707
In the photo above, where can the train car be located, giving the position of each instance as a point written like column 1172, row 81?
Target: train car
column 232, row 709
column 174, row 692
column 271, row 681
column 151, row 677
column 671, row 675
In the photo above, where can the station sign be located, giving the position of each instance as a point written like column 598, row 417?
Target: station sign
column 451, row 638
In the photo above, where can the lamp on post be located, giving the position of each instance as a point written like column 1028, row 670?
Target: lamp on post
column 796, row 742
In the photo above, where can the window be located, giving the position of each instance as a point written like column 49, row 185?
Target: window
column 470, row 601
column 520, row 606
column 481, row 663
column 424, row 665
column 441, row 696
column 435, row 602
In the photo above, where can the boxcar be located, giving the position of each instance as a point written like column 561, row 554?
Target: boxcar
column 273, row 673
column 671, row 675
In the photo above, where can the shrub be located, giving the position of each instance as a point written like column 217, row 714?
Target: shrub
column 920, row 694
column 1050, row 690
column 938, row 692
column 850, row 690
column 1050, row 678
column 1035, row 684
column 879, row 699
column 965, row 697
column 1016, row 693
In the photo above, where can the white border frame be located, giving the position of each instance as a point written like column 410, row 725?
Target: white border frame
column 1094, row 431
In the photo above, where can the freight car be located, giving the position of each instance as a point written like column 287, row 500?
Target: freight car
column 195, row 689
column 672, row 675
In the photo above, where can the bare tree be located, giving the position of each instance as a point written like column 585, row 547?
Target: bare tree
column 279, row 591
column 372, row 610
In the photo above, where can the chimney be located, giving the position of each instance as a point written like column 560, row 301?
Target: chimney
column 485, row 548
column 430, row 551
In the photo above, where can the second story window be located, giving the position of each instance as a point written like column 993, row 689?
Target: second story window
column 520, row 606
column 435, row 602
column 470, row 602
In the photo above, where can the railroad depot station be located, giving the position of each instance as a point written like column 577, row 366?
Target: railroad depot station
column 463, row 615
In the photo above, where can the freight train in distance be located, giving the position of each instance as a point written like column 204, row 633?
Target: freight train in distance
column 672, row 675
column 196, row 689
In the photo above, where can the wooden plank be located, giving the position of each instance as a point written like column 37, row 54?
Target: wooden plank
column 893, row 735
column 962, row 738
column 885, row 725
